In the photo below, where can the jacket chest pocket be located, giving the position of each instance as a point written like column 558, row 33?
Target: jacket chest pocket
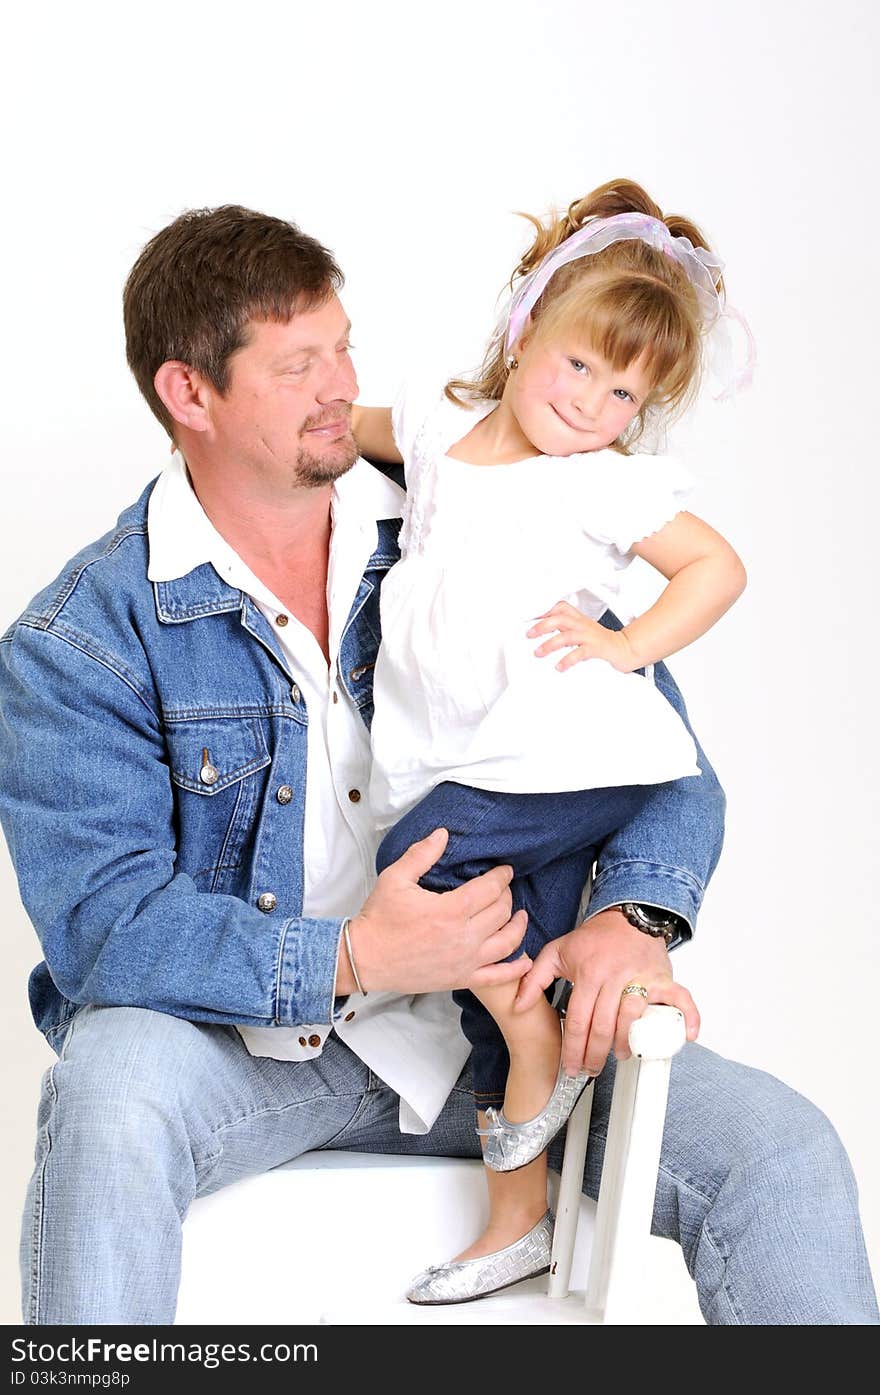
column 215, row 768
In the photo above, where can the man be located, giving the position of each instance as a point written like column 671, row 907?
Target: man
column 184, row 752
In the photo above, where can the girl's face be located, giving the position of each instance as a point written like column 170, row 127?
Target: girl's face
column 567, row 398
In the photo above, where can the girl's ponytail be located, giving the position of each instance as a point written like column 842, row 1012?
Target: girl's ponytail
column 617, row 196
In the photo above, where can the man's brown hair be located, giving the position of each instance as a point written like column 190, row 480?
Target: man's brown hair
column 197, row 283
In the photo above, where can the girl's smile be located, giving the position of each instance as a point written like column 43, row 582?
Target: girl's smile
column 565, row 397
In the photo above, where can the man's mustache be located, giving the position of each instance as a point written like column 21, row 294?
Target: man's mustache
column 343, row 409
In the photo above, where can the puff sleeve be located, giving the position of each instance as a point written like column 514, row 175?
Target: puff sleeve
column 626, row 498
column 413, row 404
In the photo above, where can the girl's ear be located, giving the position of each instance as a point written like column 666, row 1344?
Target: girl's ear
column 182, row 391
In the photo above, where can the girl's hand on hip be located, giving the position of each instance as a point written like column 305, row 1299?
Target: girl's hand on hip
column 600, row 958
column 582, row 637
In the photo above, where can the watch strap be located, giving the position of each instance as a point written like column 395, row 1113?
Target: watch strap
column 652, row 920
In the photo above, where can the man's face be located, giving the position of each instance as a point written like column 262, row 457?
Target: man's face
column 286, row 414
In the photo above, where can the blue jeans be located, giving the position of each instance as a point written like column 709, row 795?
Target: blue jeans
column 143, row 1112
column 550, row 840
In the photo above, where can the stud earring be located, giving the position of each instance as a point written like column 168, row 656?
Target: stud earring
column 511, row 363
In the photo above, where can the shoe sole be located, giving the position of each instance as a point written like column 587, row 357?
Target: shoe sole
column 475, row 1297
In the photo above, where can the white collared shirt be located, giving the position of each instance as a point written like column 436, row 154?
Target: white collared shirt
column 412, row 1042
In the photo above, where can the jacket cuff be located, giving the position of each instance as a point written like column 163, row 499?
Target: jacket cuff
column 307, row 971
column 652, row 884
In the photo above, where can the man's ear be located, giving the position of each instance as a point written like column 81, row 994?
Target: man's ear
column 182, row 391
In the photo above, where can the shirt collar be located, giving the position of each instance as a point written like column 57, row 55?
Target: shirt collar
column 182, row 537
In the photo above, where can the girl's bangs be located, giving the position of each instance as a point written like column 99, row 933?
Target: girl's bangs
column 625, row 320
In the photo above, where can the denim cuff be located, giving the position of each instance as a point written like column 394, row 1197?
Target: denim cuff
column 670, row 888
column 307, row 971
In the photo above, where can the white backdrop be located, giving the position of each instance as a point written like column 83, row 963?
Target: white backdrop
column 404, row 136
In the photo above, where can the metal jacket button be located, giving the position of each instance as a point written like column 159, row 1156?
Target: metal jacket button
column 209, row 774
column 295, row 693
column 284, row 794
column 267, row 902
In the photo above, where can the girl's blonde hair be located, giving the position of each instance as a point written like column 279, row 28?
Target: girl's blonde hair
column 626, row 300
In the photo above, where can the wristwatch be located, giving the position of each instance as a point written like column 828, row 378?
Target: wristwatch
column 652, row 920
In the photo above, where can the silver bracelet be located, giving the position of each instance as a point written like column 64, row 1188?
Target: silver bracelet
column 351, row 964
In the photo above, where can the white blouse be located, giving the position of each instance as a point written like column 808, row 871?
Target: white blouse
column 485, row 550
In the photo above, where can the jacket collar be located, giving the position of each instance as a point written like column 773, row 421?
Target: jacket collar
column 188, row 557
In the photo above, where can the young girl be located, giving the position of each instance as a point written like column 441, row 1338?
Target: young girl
column 525, row 504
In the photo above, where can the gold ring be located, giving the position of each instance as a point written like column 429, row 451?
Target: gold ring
column 635, row 988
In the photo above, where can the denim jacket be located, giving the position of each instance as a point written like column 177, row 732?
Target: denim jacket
column 145, row 731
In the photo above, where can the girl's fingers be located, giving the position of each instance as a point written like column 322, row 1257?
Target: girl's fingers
column 544, row 626
column 577, row 656
column 549, row 646
column 550, row 619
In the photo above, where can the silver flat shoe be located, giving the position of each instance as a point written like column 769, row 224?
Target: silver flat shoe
column 463, row 1280
column 510, row 1146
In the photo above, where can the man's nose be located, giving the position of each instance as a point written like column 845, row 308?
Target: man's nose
column 339, row 383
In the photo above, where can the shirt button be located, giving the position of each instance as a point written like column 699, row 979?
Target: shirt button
column 303, row 1042
column 354, row 796
column 295, row 693
column 284, row 794
column 348, row 1016
column 335, row 697
column 281, row 620
column 267, row 902
column 314, row 1039
column 209, row 774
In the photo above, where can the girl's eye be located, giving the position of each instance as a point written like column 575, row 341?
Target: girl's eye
column 577, row 365
column 622, row 395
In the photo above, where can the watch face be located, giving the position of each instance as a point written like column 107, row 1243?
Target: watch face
column 651, row 920
column 653, row 916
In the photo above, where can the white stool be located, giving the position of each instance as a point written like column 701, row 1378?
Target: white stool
column 337, row 1237
column 629, row 1170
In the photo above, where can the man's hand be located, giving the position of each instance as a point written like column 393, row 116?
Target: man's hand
column 600, row 958
column 410, row 940
column 583, row 638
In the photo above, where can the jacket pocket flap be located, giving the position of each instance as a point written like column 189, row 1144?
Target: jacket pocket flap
column 208, row 754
